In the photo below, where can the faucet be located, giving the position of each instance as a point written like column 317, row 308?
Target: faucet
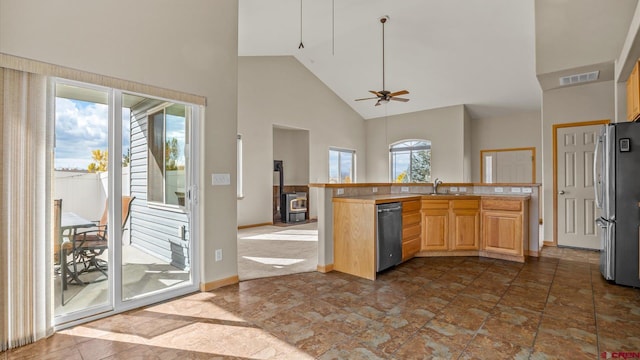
column 436, row 182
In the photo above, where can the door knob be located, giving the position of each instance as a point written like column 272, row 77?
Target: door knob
column 561, row 192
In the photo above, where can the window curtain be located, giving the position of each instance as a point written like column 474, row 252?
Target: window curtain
column 25, row 225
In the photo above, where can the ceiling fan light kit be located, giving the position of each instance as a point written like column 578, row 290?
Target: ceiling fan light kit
column 383, row 96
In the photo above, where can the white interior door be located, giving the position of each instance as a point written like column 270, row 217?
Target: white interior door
column 576, row 211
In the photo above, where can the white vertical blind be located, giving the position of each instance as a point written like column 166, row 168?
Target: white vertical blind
column 25, row 231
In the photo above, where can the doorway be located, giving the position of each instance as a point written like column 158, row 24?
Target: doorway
column 123, row 179
column 290, row 204
column 573, row 191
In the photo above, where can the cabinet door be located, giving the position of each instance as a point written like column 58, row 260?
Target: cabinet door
column 435, row 229
column 502, row 232
column 465, row 229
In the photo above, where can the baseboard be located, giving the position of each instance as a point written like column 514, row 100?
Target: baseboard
column 549, row 243
column 219, row 283
column 532, row 253
column 254, row 225
column 325, row 268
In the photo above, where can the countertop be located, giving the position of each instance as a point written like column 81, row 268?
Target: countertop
column 387, row 198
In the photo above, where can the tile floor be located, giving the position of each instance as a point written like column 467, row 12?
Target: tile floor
column 553, row 307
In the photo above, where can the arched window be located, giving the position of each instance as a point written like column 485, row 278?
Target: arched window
column 410, row 161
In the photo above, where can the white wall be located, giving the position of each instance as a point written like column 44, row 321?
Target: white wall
column 513, row 131
column 292, row 147
column 567, row 105
column 278, row 90
column 444, row 127
column 467, row 160
column 189, row 46
column 574, row 33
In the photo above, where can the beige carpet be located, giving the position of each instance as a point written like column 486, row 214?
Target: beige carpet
column 275, row 251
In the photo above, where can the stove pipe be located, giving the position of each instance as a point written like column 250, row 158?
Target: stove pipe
column 277, row 166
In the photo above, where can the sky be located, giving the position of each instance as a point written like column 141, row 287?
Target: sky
column 83, row 126
column 80, row 128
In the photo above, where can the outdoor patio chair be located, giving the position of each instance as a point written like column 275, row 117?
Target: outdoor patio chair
column 89, row 245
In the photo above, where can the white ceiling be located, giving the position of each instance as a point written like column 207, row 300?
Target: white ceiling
column 445, row 52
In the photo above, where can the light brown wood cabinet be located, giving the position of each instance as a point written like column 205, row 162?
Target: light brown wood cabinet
column 435, row 225
column 354, row 238
column 504, row 234
column 633, row 94
column 466, row 229
column 450, row 225
column 354, row 235
column 411, row 228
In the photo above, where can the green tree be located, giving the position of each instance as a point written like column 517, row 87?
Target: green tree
column 421, row 166
column 171, row 152
column 100, row 160
column 126, row 158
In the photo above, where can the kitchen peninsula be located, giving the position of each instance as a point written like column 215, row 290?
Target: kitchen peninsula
column 462, row 219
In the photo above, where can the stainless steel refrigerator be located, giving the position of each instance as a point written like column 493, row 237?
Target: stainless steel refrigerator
column 617, row 188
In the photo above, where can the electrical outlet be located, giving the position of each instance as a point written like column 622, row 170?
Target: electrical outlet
column 526, row 190
column 404, row 189
column 515, row 190
column 219, row 255
column 374, row 189
column 340, row 191
column 453, row 189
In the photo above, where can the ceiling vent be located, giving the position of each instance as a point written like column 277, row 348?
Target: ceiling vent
column 579, row 78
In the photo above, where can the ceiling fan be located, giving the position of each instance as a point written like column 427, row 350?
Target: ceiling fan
column 383, row 95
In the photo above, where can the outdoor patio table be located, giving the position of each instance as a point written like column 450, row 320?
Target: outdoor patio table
column 69, row 224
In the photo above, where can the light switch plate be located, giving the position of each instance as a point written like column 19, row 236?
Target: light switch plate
column 526, row 190
column 340, row 191
column 404, row 189
column 220, row 179
column 498, row 190
column 374, row 189
column 515, row 190
column 453, row 189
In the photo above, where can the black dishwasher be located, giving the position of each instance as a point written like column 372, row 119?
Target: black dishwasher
column 389, row 235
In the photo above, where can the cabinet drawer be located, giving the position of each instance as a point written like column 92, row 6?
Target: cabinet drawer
column 435, row 204
column 410, row 248
column 411, row 231
column 509, row 205
column 465, row 204
column 409, row 206
column 410, row 219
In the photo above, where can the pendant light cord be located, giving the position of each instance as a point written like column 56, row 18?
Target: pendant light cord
column 383, row 20
column 333, row 27
column 301, row 46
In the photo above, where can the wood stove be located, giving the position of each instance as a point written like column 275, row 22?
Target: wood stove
column 294, row 206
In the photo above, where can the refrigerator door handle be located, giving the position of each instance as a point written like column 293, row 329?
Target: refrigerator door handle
column 596, row 184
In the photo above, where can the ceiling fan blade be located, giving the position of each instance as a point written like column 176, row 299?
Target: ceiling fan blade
column 401, row 92
column 376, row 93
column 399, row 99
column 370, row 98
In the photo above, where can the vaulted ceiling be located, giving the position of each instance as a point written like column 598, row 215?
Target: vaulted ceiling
column 478, row 53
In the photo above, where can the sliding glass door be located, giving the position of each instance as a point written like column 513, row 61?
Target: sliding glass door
column 123, row 204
